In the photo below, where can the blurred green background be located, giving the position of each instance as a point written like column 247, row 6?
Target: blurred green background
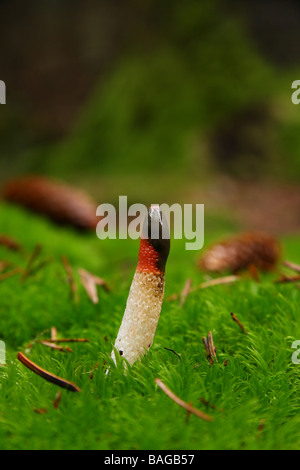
column 160, row 101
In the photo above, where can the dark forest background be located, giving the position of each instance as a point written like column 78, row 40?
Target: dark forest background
column 179, row 101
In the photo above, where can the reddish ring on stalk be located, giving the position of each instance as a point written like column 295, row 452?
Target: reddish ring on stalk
column 154, row 250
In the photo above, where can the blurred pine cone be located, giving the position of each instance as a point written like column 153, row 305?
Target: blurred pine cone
column 59, row 202
column 240, row 252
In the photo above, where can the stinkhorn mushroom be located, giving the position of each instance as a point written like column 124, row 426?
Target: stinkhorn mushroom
column 146, row 294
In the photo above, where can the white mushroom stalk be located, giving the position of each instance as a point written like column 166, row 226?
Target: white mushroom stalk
column 141, row 316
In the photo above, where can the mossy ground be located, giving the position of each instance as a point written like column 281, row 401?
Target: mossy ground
column 254, row 399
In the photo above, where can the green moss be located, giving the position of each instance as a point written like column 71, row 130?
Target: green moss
column 258, row 385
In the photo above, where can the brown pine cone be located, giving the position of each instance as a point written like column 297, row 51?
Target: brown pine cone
column 240, row 252
column 59, row 202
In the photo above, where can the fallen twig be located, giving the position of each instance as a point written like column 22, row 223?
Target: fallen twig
column 47, row 375
column 182, row 403
column 172, row 297
column 261, row 427
column 32, row 267
column 210, row 347
column 9, row 243
column 53, row 333
column 188, row 413
column 234, row 318
column 40, row 411
column 212, row 282
column 71, row 280
column 67, row 340
column 293, row 266
column 10, row 273
column 90, row 283
column 36, row 340
column 206, row 403
column 57, row 399
column 253, row 271
column 185, row 291
column 283, row 279
column 208, row 355
column 35, row 254
column 54, row 346
column 39, row 266
column 217, row 282
column 174, row 352
column 4, row 265
column 53, row 340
